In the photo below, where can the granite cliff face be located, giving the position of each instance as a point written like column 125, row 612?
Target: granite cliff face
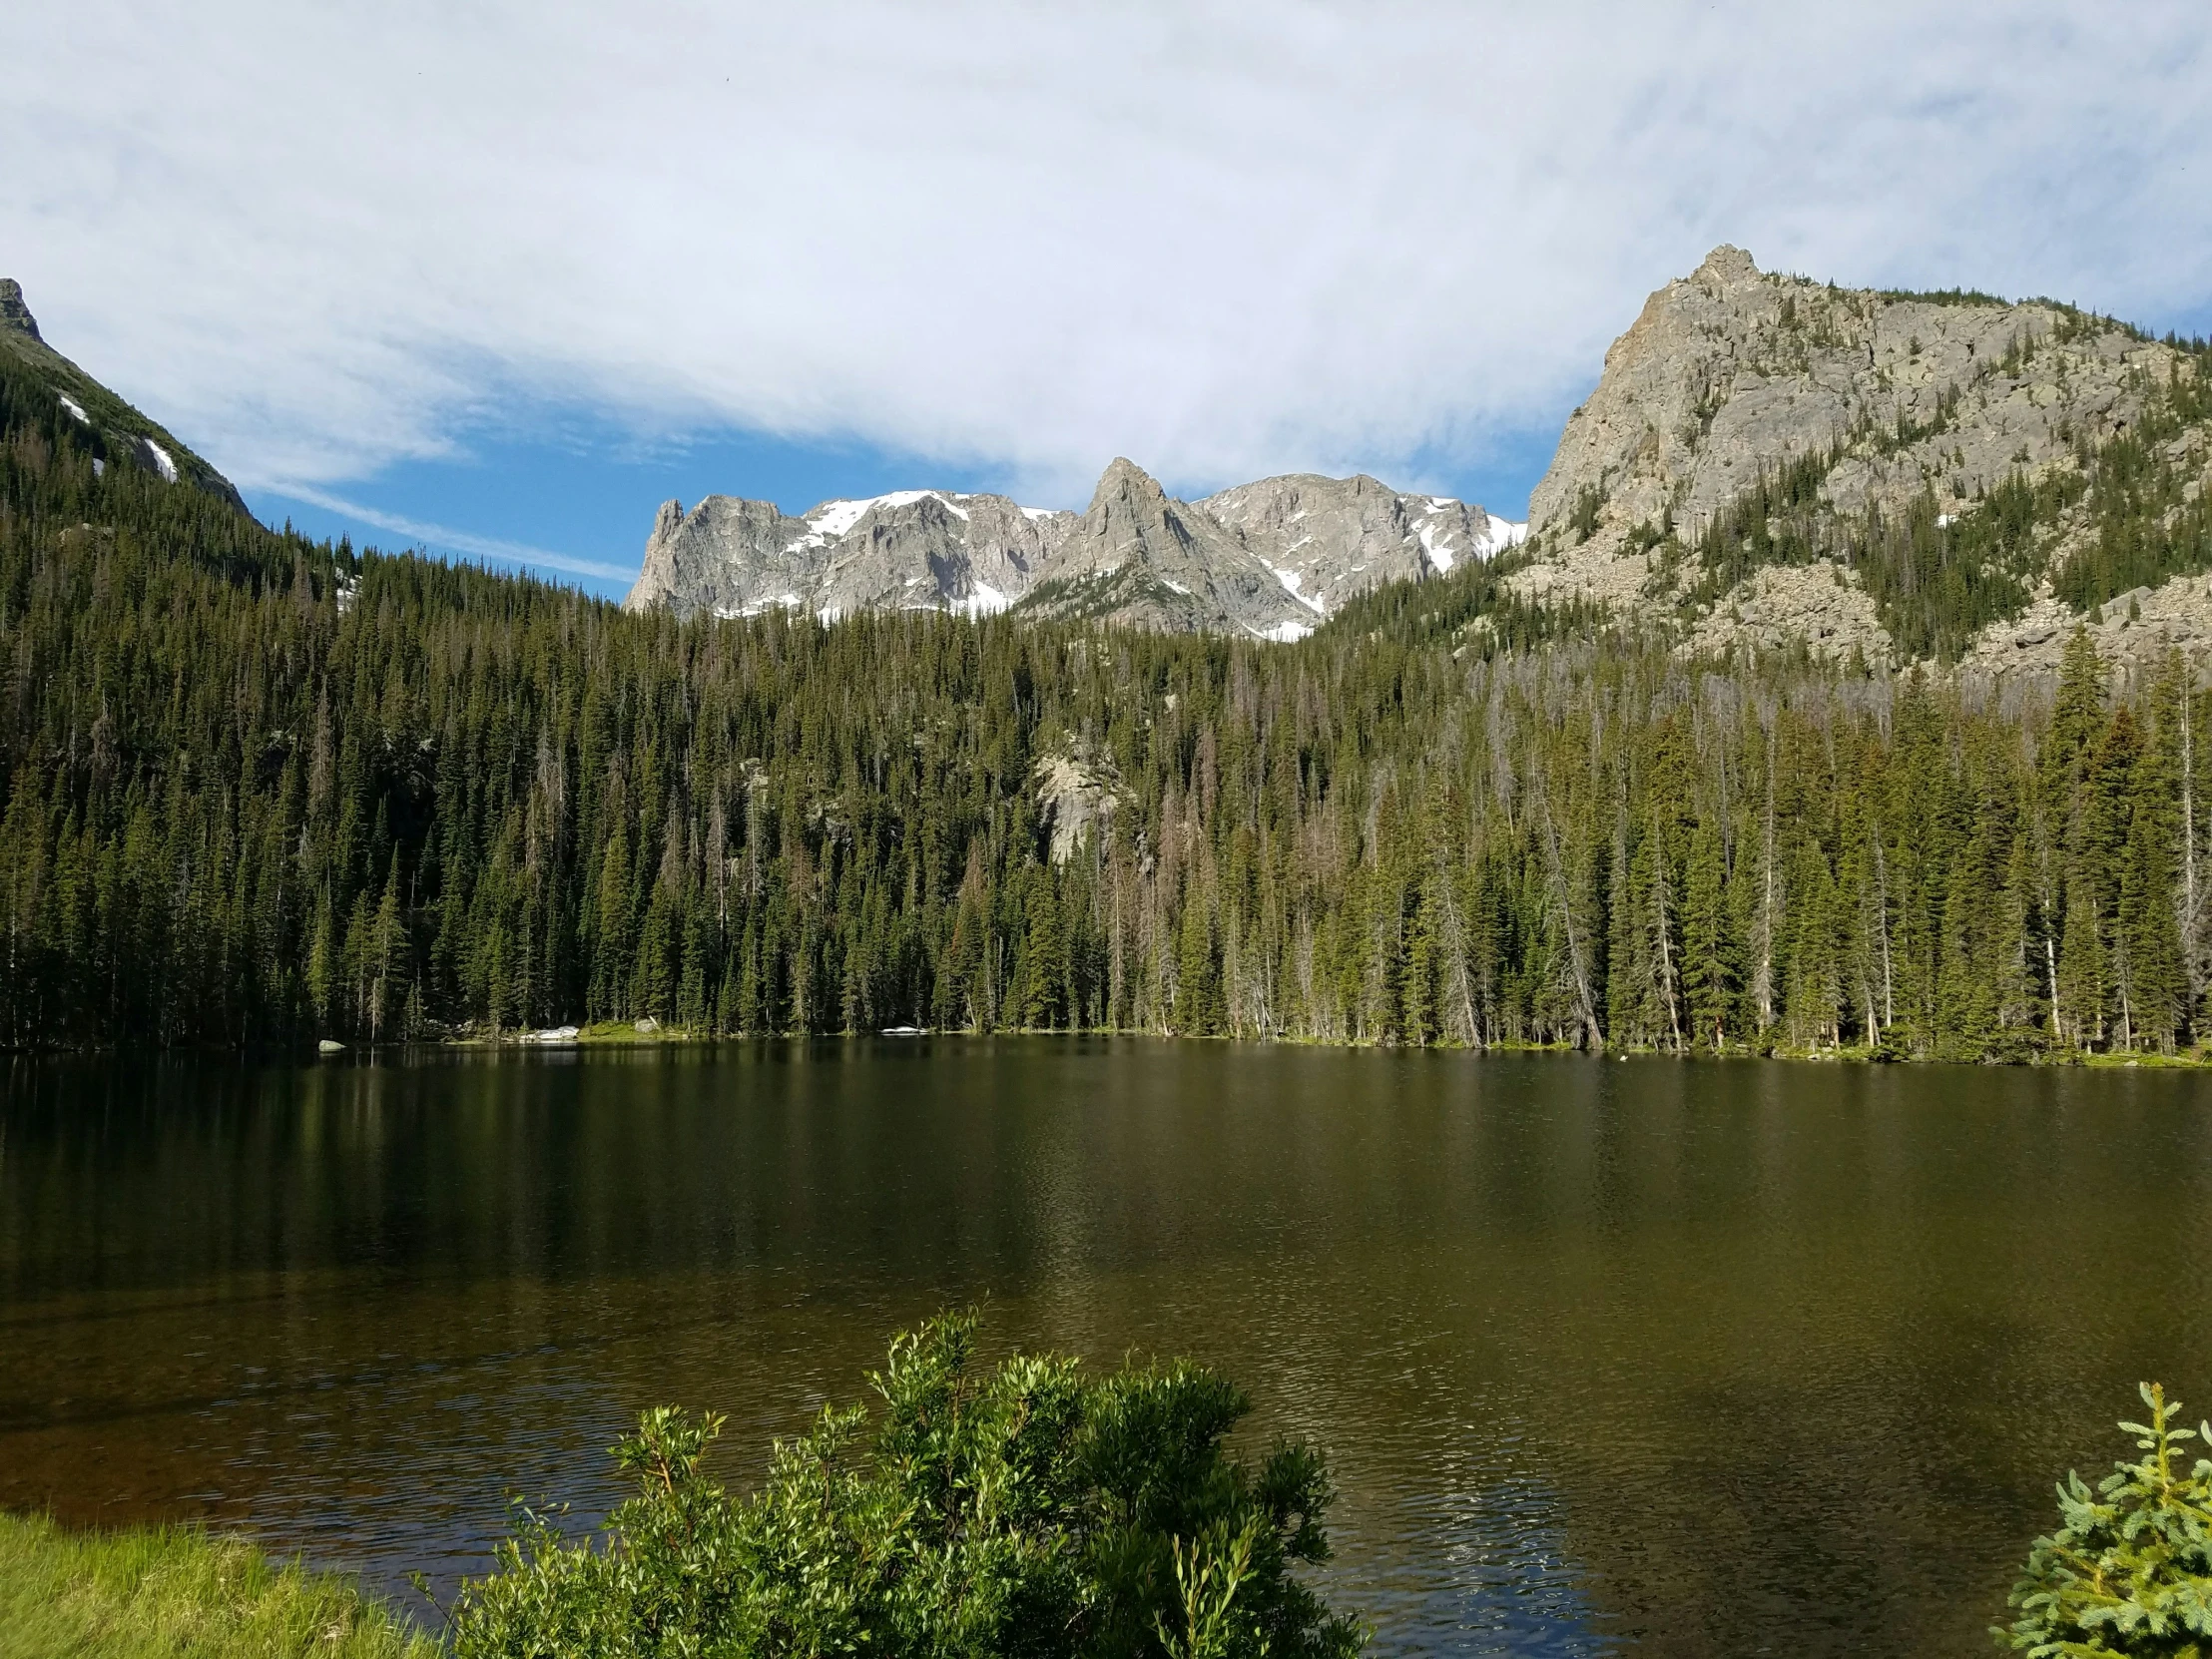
column 1768, row 464
column 1330, row 538
column 1269, row 559
column 124, row 436
column 1860, row 410
column 917, row 549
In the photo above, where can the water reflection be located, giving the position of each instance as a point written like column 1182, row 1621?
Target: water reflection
column 1689, row 1359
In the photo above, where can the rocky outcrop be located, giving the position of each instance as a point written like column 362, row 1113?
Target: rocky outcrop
column 916, row 550
column 1729, row 368
column 1329, row 539
column 2133, row 632
column 1142, row 558
column 1816, row 606
column 1269, row 559
column 727, row 556
column 1078, row 794
column 1878, row 400
column 15, row 315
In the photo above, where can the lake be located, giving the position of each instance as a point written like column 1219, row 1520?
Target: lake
column 1609, row 1356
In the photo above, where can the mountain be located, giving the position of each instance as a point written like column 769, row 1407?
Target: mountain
column 1269, row 559
column 1768, row 464
column 120, row 435
column 257, row 790
column 1771, row 461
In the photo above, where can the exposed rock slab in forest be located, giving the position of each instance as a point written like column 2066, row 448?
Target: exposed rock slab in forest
column 1816, row 605
column 1078, row 794
column 2132, row 630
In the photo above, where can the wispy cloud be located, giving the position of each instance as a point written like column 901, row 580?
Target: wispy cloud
column 1222, row 238
column 441, row 538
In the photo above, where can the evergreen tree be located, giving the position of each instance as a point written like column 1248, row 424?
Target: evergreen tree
column 2130, row 1569
column 257, row 790
column 1046, row 962
column 1712, row 956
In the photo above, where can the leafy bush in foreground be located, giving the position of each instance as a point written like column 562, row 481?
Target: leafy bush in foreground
column 1026, row 1509
column 2130, row 1570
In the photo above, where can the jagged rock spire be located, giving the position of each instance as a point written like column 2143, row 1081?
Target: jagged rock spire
column 14, row 314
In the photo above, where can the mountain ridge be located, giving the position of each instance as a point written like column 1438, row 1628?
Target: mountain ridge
column 1770, row 461
column 122, row 434
column 1271, row 559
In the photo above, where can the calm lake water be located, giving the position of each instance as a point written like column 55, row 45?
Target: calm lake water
column 1609, row 1356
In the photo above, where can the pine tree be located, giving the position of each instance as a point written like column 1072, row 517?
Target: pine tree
column 2080, row 989
column 1197, row 987
column 1046, row 964
column 2130, row 1569
column 611, row 950
column 1712, row 955
column 385, row 964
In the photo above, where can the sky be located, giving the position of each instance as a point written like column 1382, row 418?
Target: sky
column 497, row 280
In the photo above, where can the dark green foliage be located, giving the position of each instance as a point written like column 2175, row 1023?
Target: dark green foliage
column 1020, row 1509
column 2145, row 529
column 1773, row 522
column 34, row 378
column 2129, row 1570
column 1939, row 583
column 1589, row 501
column 1473, row 608
column 257, row 791
column 1943, row 297
column 1938, row 580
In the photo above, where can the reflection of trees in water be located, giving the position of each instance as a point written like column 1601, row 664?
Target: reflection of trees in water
column 1697, row 1357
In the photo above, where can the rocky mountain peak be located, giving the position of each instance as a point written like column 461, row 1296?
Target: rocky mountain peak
column 14, row 314
column 1725, row 266
column 1770, row 459
column 1269, row 559
column 1124, row 478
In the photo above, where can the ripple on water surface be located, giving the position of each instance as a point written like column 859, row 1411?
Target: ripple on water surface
column 1678, row 1359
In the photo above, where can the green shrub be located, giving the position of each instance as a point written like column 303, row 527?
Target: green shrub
column 2130, row 1570
column 1025, row 1510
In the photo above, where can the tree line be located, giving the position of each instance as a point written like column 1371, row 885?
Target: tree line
column 260, row 789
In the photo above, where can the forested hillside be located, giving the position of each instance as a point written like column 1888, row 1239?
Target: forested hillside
column 255, row 789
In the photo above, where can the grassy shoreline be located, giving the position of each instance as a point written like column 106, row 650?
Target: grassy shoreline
column 625, row 1034
column 165, row 1592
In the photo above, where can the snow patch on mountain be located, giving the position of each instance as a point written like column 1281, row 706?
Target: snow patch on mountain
column 1290, row 581
column 1269, row 559
column 1502, row 535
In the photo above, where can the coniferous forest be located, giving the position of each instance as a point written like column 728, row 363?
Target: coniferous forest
column 256, row 790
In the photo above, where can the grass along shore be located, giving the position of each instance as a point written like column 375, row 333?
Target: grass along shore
column 649, row 1032
column 171, row 1591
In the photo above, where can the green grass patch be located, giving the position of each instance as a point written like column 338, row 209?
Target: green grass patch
column 158, row 1592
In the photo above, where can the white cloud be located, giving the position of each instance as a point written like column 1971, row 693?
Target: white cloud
column 443, row 538
column 1225, row 240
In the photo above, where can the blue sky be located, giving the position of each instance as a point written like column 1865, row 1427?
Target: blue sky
column 499, row 278
column 574, row 500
